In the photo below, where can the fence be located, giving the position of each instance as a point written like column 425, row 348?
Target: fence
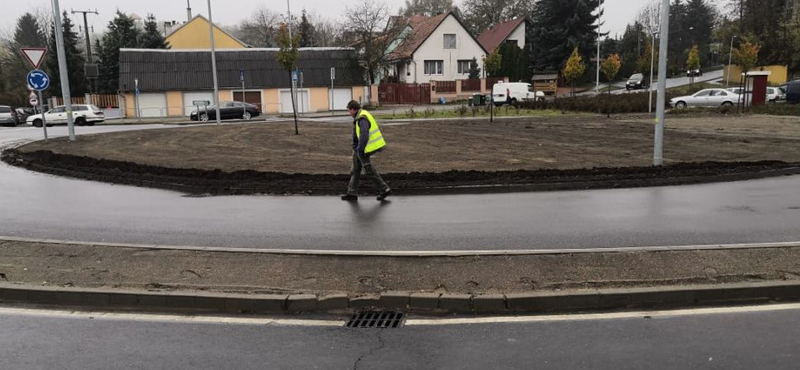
column 471, row 84
column 102, row 101
column 446, row 86
column 401, row 93
column 493, row 80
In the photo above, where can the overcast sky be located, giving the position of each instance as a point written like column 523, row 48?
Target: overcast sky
column 230, row 12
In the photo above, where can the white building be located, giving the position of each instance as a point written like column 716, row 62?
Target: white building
column 435, row 49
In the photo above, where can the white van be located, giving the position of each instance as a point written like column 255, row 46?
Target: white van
column 512, row 92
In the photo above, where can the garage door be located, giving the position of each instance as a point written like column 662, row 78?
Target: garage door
column 189, row 97
column 153, row 105
column 302, row 102
column 341, row 97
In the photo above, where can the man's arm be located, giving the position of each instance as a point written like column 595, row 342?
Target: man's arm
column 363, row 126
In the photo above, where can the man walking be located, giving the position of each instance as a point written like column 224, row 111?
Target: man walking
column 367, row 140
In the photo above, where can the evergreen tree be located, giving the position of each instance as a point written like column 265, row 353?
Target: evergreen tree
column 306, row 32
column 152, row 37
column 515, row 64
column 700, row 17
column 28, row 33
column 632, row 46
column 560, row 26
column 474, row 70
column 75, row 61
column 121, row 33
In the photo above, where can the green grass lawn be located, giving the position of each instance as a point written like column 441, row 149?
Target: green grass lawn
column 468, row 112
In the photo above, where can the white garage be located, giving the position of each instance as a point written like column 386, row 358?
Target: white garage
column 190, row 96
column 152, row 105
column 302, row 103
column 341, row 97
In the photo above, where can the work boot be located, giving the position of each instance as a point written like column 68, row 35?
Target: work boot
column 350, row 197
column 384, row 194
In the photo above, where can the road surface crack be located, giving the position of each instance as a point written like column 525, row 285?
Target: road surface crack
column 372, row 350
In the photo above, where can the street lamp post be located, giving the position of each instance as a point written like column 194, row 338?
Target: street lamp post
column 730, row 56
column 658, row 148
column 597, row 84
column 652, row 57
column 214, row 64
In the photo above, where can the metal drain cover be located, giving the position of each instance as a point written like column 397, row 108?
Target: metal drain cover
column 376, row 319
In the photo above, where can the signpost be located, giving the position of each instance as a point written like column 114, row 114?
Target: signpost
column 37, row 80
column 241, row 78
column 136, row 98
column 333, row 77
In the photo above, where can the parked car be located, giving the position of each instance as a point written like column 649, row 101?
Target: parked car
column 706, row 98
column 8, row 116
column 82, row 114
column 792, row 92
column 24, row 113
column 227, row 110
column 773, row 94
column 513, row 92
column 637, row 81
column 694, row 72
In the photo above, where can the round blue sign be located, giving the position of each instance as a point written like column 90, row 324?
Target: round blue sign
column 38, row 80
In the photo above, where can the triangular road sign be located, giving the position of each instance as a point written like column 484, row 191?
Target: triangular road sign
column 35, row 56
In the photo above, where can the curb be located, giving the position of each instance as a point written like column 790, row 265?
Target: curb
column 434, row 303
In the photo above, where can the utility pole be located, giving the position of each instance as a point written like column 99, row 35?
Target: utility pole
column 213, row 64
column 62, row 69
column 658, row 148
column 294, row 73
column 89, row 59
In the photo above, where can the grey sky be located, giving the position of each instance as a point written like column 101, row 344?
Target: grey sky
column 230, row 12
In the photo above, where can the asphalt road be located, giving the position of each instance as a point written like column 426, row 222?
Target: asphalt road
column 741, row 339
column 43, row 206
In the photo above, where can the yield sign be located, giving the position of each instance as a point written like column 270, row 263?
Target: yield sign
column 34, row 56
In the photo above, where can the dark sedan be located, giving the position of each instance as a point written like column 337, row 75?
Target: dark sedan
column 227, row 110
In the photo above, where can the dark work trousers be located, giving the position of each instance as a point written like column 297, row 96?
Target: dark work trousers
column 364, row 163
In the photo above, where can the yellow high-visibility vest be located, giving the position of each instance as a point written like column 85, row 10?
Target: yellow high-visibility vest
column 375, row 138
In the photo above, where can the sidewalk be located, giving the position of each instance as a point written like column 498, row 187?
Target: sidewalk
column 238, row 280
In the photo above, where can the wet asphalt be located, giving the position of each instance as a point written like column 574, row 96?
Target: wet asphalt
column 43, row 206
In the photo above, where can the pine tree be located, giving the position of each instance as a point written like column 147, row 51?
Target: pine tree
column 75, row 61
column 121, row 33
column 15, row 67
column 474, row 70
column 306, row 31
column 560, row 26
column 152, row 38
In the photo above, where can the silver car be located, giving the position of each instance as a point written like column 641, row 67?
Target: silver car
column 706, row 98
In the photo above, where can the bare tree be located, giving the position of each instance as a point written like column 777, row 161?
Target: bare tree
column 650, row 16
column 427, row 8
column 482, row 14
column 368, row 23
column 260, row 30
column 326, row 30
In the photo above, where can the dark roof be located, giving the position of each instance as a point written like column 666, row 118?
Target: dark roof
column 493, row 37
column 183, row 70
column 421, row 28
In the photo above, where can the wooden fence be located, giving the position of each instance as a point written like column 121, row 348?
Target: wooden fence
column 473, row 84
column 445, row 86
column 101, row 101
column 402, row 93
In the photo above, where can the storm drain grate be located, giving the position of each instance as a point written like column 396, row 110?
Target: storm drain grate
column 376, row 319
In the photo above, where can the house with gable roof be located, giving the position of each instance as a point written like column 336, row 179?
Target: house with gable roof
column 436, row 48
column 194, row 35
column 512, row 31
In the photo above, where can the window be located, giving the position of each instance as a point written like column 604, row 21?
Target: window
column 464, row 66
column 434, row 67
column 58, row 110
column 79, row 108
column 449, row 40
column 703, row 93
column 5, row 110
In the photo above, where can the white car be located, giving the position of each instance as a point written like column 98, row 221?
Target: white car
column 774, row 94
column 82, row 114
column 513, row 92
column 706, row 98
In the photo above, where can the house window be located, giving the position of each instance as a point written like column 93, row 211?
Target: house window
column 449, row 40
column 464, row 66
column 434, row 67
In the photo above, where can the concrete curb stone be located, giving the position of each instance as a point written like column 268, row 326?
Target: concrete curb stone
column 424, row 301
column 456, row 302
column 301, row 303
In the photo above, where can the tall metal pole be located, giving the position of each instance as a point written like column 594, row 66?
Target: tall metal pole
column 294, row 83
column 650, row 86
column 88, row 43
column 63, row 72
column 730, row 56
column 658, row 150
column 597, row 84
column 214, row 63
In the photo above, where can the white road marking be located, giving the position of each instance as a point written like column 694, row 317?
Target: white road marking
column 190, row 319
column 604, row 316
column 441, row 253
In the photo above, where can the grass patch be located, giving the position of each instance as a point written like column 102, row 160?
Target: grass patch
column 464, row 111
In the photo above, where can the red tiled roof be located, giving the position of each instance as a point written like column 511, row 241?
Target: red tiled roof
column 493, row 37
column 421, row 28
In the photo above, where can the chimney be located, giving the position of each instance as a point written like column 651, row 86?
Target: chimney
column 188, row 11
